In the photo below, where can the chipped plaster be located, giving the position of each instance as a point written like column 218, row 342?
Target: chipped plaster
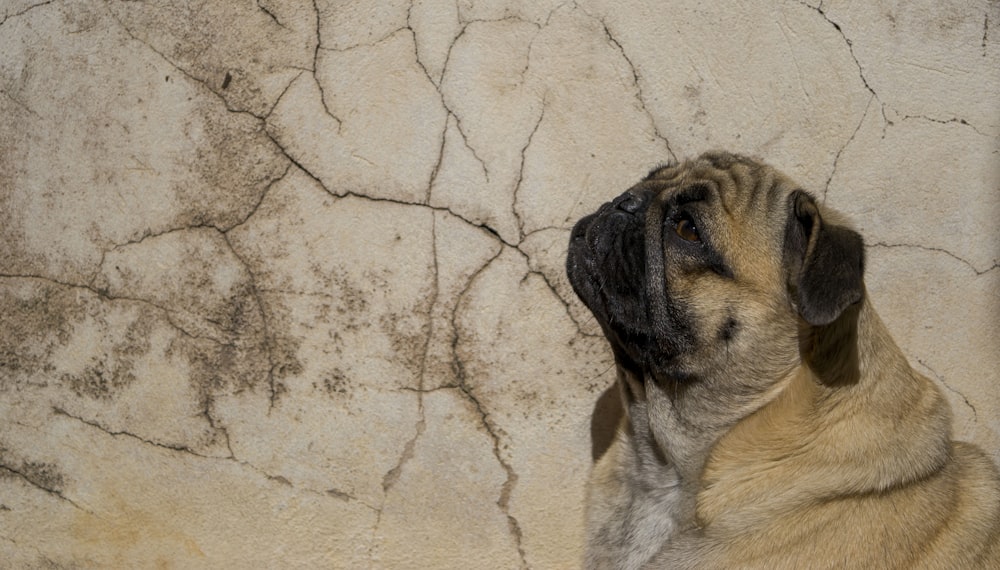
column 283, row 281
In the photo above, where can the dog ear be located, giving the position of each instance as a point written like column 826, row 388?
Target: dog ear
column 825, row 262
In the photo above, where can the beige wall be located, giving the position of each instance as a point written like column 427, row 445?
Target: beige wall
column 282, row 283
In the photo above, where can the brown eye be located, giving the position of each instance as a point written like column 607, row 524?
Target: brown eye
column 687, row 230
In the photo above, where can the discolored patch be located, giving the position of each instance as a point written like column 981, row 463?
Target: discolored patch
column 212, row 41
column 728, row 329
column 241, row 364
column 114, row 369
column 99, row 381
column 134, row 149
column 352, row 300
column 408, row 337
column 335, row 383
column 44, row 475
column 36, row 317
column 235, row 163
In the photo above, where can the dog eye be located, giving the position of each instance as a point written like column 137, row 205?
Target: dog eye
column 687, row 230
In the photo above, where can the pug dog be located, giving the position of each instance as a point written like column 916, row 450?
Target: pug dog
column 770, row 421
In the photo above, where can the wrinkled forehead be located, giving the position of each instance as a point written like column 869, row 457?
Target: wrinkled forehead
column 742, row 188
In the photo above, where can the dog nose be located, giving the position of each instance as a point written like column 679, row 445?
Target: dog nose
column 629, row 202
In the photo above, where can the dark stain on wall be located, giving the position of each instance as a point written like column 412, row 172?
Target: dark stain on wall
column 36, row 317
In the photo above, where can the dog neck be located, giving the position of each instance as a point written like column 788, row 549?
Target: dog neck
column 668, row 449
column 834, row 399
column 834, row 429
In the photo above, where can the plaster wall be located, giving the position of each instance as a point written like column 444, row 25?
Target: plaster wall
column 281, row 282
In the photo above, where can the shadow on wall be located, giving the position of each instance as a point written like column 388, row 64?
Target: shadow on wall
column 608, row 414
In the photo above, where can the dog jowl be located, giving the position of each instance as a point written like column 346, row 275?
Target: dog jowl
column 607, row 267
column 770, row 420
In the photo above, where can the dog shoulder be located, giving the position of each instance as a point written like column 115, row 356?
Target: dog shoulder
column 785, row 496
column 950, row 519
column 968, row 534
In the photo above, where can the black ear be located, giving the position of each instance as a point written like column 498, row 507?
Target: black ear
column 825, row 262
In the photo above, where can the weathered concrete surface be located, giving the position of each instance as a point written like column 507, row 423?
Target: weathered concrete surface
column 281, row 282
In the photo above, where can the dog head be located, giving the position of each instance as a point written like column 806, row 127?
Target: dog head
column 710, row 271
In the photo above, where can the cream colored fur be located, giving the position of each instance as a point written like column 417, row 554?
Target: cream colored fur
column 864, row 476
column 843, row 458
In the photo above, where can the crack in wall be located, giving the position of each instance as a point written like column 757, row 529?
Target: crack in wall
column 482, row 226
column 257, row 204
column 840, row 151
column 451, row 113
column 204, row 84
column 392, row 476
column 520, row 172
column 115, row 434
column 458, row 366
column 21, row 104
column 428, row 195
column 562, row 301
column 443, row 98
column 27, row 473
column 986, row 32
column 322, row 101
column 444, row 102
column 416, row 48
column 315, row 67
column 435, row 294
column 275, row 388
column 861, row 70
column 208, row 403
column 107, row 296
column 943, row 382
column 968, row 263
column 850, row 46
column 24, row 11
column 503, row 501
column 42, row 559
column 636, row 81
column 270, row 14
column 268, row 340
column 883, row 106
column 149, row 234
column 887, row 122
column 314, row 70
column 950, row 121
column 222, row 229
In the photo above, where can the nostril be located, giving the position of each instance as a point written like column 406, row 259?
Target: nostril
column 628, row 202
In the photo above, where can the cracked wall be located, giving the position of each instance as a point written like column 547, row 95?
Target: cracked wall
column 282, row 282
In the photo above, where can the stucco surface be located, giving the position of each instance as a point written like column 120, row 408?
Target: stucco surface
column 281, row 282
